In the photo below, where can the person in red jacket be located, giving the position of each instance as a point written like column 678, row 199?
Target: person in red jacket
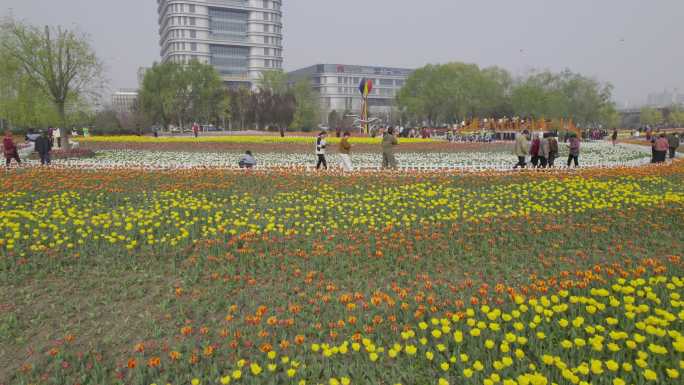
column 10, row 149
column 661, row 147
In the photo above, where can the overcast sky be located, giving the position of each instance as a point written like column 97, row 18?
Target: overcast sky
column 634, row 44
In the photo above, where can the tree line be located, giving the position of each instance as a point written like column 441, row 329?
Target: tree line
column 454, row 92
column 179, row 94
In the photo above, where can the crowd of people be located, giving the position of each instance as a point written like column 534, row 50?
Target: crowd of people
column 43, row 143
column 543, row 150
column 662, row 144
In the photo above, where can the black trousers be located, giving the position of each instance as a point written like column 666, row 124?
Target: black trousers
column 521, row 162
column 535, row 161
column 9, row 157
column 45, row 158
column 552, row 158
column 673, row 152
column 321, row 161
column 575, row 158
column 660, row 156
column 542, row 162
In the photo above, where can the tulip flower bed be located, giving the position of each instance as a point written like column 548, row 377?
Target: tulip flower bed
column 495, row 156
column 208, row 276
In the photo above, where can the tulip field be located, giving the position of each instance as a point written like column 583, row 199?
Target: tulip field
column 117, row 273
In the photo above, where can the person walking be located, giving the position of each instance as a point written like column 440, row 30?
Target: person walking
column 195, row 129
column 544, row 151
column 534, row 151
column 673, row 141
column 615, row 137
column 321, row 144
column 660, row 148
column 43, row 148
column 57, row 133
column 345, row 152
column 10, row 149
column 521, row 148
column 574, row 144
column 553, row 150
column 51, row 135
column 388, row 143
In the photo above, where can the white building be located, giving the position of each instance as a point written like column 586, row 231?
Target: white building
column 338, row 87
column 240, row 38
column 666, row 99
column 123, row 101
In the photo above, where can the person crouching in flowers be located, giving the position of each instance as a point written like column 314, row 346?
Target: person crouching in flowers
column 345, row 152
column 321, row 144
column 247, row 160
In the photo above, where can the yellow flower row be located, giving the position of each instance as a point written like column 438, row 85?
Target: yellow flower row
column 253, row 139
column 179, row 217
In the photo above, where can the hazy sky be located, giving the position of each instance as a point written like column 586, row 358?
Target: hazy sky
column 634, row 44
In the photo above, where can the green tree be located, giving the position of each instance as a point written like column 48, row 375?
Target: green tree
column 650, row 116
column 610, row 117
column 176, row 93
column 563, row 95
column 676, row 117
column 333, row 119
column 455, row 91
column 157, row 95
column 59, row 62
column 306, row 115
column 274, row 81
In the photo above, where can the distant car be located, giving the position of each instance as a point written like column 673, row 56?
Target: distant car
column 31, row 137
column 209, row 128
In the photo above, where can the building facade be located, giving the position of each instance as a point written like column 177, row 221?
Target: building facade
column 665, row 99
column 338, row 88
column 124, row 100
column 240, row 38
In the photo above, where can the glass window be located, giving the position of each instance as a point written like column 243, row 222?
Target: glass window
column 193, row 46
column 193, row 21
column 228, row 24
column 192, row 8
column 229, row 60
column 193, row 34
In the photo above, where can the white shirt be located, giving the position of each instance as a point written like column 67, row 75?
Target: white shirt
column 320, row 147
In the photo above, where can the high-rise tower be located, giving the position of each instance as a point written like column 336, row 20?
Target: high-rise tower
column 240, row 38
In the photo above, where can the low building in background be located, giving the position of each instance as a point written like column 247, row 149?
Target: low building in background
column 338, row 88
column 665, row 99
column 124, row 100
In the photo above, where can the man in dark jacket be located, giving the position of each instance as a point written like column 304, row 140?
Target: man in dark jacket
column 43, row 148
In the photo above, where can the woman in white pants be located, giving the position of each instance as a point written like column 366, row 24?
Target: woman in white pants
column 345, row 152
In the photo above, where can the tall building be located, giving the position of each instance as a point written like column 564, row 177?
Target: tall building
column 240, row 38
column 338, row 87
